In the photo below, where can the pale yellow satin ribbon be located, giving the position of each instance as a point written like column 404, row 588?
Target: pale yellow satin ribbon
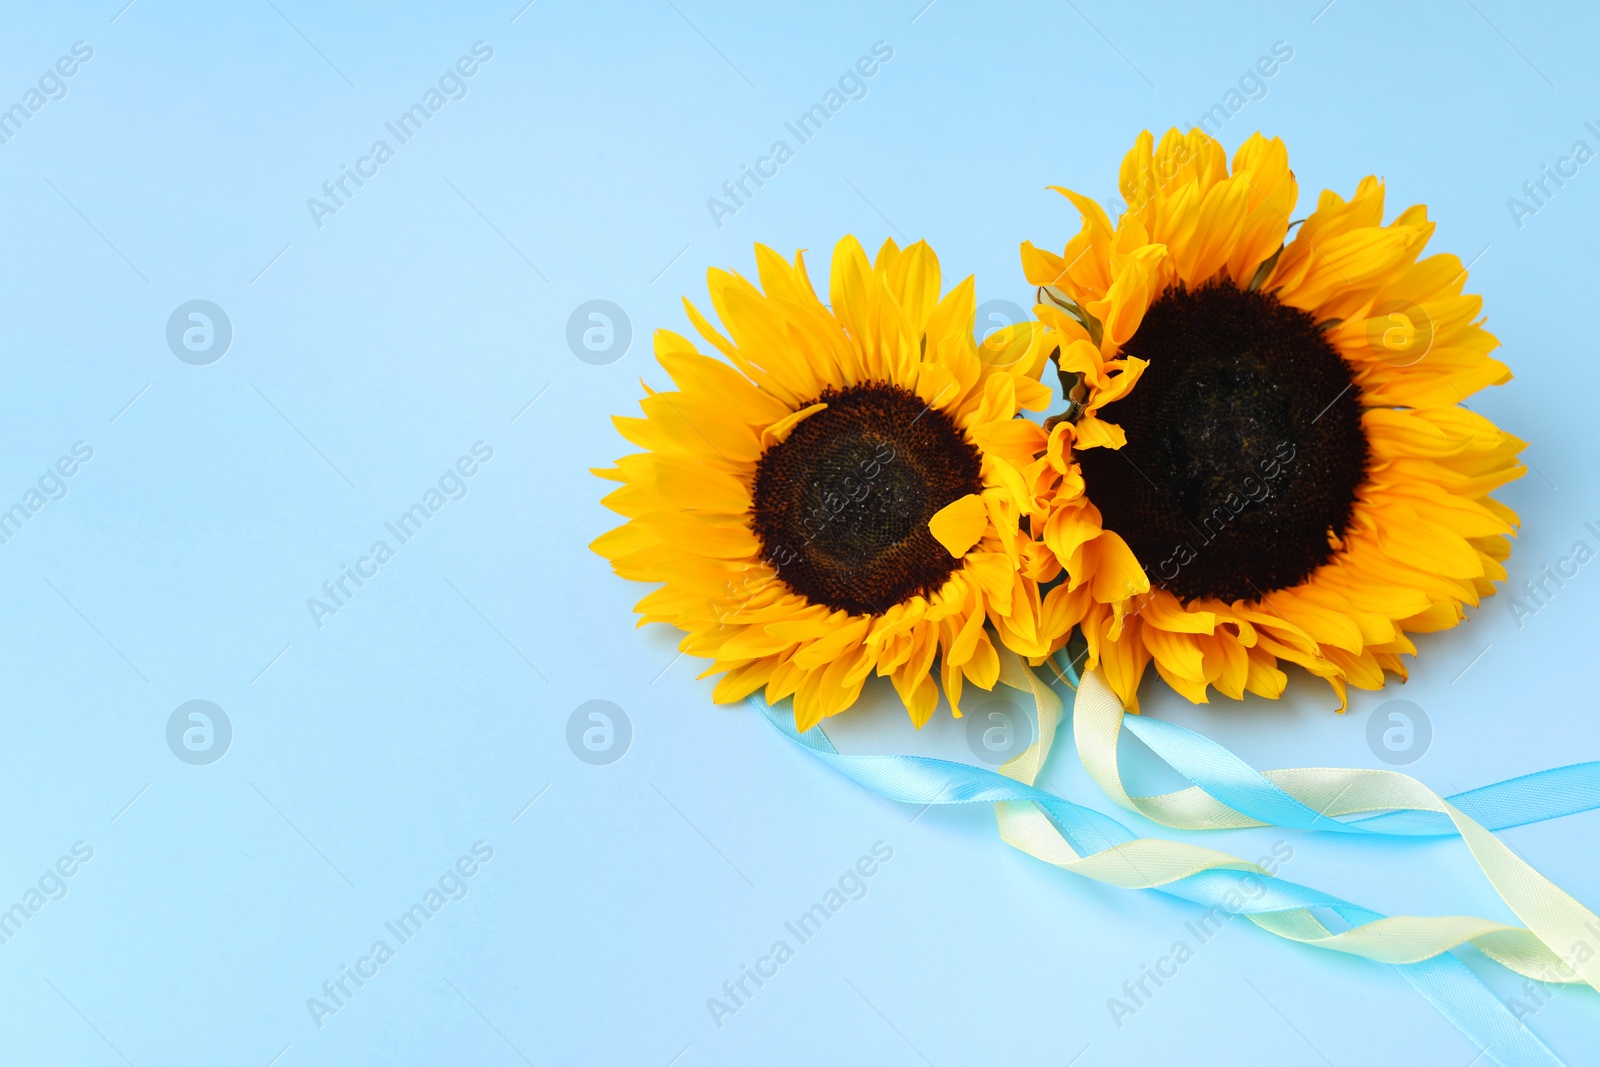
column 1555, row 920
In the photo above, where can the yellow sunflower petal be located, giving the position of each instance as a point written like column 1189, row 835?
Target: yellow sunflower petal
column 780, row 358
column 1422, row 541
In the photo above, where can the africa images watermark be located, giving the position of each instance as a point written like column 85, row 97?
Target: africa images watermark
column 737, row 992
column 52, row 85
column 1137, row 992
column 1538, row 190
column 1536, row 593
column 452, row 485
column 452, row 85
column 451, row 886
column 1212, row 526
column 1251, row 86
column 852, row 85
column 1541, row 991
column 855, row 488
column 52, row 885
column 52, row 485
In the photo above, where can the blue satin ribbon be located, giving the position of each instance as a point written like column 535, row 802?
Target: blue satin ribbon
column 1515, row 802
column 1445, row 981
column 1518, row 801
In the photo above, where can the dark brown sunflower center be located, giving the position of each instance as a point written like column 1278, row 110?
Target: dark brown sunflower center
column 842, row 505
column 1245, row 447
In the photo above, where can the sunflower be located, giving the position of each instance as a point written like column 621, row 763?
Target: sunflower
column 1266, row 456
column 841, row 493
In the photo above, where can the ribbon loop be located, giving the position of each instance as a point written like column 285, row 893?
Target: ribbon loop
column 1228, row 793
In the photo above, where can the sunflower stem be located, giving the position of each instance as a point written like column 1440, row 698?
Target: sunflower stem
column 1075, row 391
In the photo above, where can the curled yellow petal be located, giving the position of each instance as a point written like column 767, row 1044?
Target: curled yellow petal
column 779, row 431
column 960, row 524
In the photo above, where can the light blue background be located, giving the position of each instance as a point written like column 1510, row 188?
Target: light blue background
column 370, row 753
